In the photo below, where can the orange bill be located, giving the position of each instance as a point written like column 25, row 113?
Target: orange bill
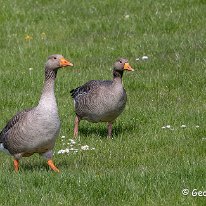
column 128, row 67
column 65, row 63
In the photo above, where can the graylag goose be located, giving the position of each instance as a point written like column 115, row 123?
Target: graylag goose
column 101, row 100
column 35, row 130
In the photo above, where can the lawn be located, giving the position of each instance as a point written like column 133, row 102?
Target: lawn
column 158, row 147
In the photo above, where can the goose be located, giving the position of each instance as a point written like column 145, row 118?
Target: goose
column 35, row 130
column 101, row 100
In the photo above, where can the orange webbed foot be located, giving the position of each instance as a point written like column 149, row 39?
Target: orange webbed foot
column 52, row 166
column 16, row 165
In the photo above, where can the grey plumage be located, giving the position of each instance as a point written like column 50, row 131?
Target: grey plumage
column 35, row 130
column 101, row 100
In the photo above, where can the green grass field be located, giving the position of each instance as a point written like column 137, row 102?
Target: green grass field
column 144, row 164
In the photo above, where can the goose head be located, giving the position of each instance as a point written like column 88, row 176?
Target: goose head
column 122, row 64
column 57, row 61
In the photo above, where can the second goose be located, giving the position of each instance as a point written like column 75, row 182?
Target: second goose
column 101, row 100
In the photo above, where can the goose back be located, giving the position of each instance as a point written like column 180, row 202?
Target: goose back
column 99, row 101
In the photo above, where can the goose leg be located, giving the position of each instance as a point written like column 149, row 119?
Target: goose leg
column 16, row 165
column 52, row 166
column 109, row 127
column 48, row 156
column 76, row 126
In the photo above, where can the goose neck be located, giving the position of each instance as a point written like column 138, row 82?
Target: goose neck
column 117, row 76
column 48, row 96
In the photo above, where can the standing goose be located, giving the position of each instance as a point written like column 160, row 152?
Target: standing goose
column 101, row 101
column 35, row 130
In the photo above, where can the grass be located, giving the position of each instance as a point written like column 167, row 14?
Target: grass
column 144, row 164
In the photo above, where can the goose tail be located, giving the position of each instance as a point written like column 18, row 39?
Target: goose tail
column 3, row 149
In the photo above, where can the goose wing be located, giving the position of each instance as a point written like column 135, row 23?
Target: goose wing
column 12, row 122
column 89, row 87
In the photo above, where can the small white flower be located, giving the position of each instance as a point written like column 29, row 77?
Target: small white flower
column 145, row 58
column 167, row 127
column 126, row 16
column 72, row 149
column 72, row 141
column 204, row 139
column 137, row 59
column 61, row 151
column 67, row 150
column 85, row 147
column 30, row 69
column 183, row 126
column 92, row 148
column 63, row 137
column 197, row 126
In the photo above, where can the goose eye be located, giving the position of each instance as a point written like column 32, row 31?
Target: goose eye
column 55, row 58
column 120, row 61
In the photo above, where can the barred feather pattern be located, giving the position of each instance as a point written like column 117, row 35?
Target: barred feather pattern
column 100, row 101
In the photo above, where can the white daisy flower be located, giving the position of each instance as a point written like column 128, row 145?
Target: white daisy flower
column 183, row 126
column 61, row 151
column 145, row 58
column 72, row 141
column 85, row 147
